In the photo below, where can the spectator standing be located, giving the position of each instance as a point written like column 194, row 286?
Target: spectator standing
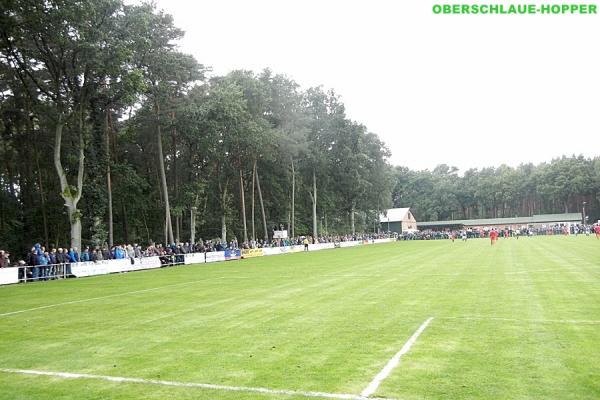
column 43, row 262
column 85, row 255
column 4, row 260
column 99, row 255
column 32, row 261
column 52, row 261
column 73, row 255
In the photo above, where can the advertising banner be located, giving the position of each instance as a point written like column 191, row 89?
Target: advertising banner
column 112, row 266
column 249, row 253
column 9, row 275
column 320, row 246
column 90, row 268
column 351, row 243
column 146, row 263
column 273, row 251
column 296, row 248
column 194, row 258
column 280, row 234
column 382, row 240
column 215, row 256
column 233, row 255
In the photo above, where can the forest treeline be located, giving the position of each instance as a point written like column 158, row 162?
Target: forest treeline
column 110, row 134
column 566, row 184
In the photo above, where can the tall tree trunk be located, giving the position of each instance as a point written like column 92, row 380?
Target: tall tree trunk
column 163, row 177
column 223, row 230
column 223, row 209
column 125, row 223
column 253, row 180
column 262, row 205
column 313, row 198
column 243, row 200
column 109, row 183
column 42, row 195
column 70, row 196
column 146, row 226
column 175, row 177
column 352, row 219
column 193, row 224
column 293, row 216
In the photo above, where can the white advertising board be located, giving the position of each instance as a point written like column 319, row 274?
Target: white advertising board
column 9, row 275
column 194, row 258
column 351, row 243
column 215, row 256
column 320, row 246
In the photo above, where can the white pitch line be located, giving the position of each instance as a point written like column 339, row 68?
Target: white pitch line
column 120, row 379
column 369, row 390
column 102, row 297
column 541, row 321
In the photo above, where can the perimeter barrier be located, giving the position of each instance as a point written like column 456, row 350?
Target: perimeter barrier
column 12, row 275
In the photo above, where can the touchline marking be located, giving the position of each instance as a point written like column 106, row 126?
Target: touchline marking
column 103, row 297
column 541, row 321
column 369, row 390
column 120, row 379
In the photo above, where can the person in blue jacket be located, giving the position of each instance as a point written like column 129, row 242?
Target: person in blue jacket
column 85, row 255
column 119, row 253
column 73, row 255
column 43, row 262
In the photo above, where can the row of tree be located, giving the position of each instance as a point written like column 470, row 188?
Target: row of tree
column 567, row 184
column 110, row 134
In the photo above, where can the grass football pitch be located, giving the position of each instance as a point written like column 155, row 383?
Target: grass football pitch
column 518, row 320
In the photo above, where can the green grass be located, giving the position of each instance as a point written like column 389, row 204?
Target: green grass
column 518, row 320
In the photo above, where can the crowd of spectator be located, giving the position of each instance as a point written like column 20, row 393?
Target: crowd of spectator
column 299, row 240
column 472, row 233
column 48, row 262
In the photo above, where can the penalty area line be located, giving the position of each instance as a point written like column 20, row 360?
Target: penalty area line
column 120, row 379
column 394, row 361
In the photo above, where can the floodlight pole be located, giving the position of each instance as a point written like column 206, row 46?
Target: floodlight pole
column 584, row 203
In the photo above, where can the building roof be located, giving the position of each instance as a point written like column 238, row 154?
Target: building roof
column 394, row 215
column 536, row 219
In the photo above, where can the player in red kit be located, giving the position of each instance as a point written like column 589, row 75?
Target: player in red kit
column 493, row 236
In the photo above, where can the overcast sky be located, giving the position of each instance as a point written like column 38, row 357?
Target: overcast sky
column 468, row 91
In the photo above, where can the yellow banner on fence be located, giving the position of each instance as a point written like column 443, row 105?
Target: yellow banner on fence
column 249, row 253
